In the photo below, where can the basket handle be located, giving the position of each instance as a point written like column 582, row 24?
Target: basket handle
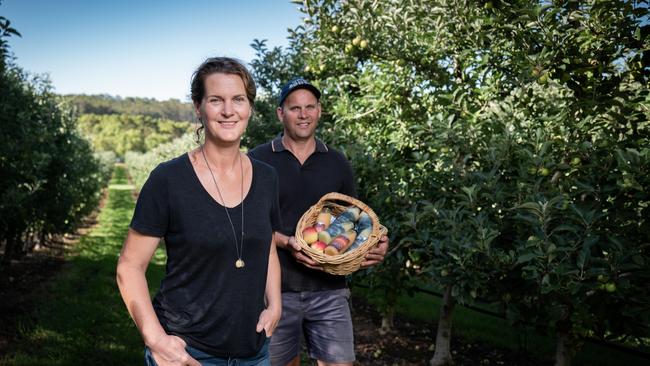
column 342, row 197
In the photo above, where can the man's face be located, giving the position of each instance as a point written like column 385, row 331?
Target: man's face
column 299, row 115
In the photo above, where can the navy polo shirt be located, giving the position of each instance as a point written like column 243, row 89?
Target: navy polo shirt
column 301, row 186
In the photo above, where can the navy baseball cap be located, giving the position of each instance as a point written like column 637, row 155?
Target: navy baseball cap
column 297, row 83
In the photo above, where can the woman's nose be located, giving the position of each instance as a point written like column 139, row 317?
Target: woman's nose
column 227, row 109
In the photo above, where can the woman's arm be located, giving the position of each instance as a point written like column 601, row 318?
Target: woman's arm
column 270, row 317
column 131, row 268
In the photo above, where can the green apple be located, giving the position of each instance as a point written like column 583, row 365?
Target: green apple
column 543, row 171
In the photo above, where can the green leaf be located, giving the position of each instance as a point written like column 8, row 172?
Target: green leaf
column 526, row 258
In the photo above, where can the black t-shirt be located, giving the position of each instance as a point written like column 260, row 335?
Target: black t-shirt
column 203, row 298
column 301, row 186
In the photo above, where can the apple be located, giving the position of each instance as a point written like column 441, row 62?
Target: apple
column 610, row 287
column 356, row 41
column 318, row 245
column 324, row 236
column 310, row 235
column 543, row 172
column 335, row 29
column 363, row 44
column 543, row 79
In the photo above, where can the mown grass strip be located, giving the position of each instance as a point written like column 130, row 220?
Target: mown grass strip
column 81, row 319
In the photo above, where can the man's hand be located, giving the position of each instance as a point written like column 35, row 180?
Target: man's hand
column 376, row 254
column 297, row 253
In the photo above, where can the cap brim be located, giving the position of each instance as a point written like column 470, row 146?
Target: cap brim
column 309, row 87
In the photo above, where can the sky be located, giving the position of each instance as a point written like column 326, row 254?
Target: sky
column 138, row 48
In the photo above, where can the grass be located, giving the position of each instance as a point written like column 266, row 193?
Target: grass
column 81, row 319
column 475, row 326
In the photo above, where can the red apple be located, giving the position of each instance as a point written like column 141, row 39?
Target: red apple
column 310, row 235
column 318, row 245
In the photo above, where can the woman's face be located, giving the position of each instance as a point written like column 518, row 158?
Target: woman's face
column 225, row 109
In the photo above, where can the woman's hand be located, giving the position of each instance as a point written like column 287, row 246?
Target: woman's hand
column 269, row 319
column 169, row 350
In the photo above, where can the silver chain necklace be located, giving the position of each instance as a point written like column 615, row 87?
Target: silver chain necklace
column 239, row 263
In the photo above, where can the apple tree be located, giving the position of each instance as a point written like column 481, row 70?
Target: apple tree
column 505, row 146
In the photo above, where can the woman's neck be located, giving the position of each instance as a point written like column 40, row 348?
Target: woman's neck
column 221, row 158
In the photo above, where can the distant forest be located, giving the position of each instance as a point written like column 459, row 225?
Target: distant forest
column 103, row 104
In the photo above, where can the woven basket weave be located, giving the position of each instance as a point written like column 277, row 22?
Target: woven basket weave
column 349, row 261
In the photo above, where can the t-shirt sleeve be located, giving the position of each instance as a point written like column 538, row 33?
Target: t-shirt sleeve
column 276, row 218
column 151, row 215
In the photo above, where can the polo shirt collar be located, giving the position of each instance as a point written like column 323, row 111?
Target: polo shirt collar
column 277, row 146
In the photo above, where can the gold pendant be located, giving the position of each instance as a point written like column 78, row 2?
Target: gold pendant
column 239, row 263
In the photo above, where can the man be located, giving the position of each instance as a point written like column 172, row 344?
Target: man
column 314, row 303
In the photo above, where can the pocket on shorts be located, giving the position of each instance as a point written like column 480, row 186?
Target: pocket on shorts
column 148, row 358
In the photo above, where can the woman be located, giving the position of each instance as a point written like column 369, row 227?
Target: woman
column 216, row 210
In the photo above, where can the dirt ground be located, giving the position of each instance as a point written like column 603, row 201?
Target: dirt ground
column 19, row 285
column 412, row 344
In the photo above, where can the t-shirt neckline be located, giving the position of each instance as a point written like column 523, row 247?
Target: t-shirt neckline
column 197, row 182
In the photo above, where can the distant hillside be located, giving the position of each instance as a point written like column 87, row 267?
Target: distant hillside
column 103, row 104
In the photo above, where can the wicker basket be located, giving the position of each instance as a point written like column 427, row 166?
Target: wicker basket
column 349, row 261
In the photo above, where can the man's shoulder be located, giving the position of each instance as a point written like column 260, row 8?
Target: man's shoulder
column 336, row 153
column 262, row 166
column 260, row 150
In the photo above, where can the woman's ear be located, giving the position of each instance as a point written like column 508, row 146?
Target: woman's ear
column 197, row 111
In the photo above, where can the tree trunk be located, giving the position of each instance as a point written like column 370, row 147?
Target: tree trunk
column 442, row 356
column 563, row 350
column 387, row 320
column 10, row 247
